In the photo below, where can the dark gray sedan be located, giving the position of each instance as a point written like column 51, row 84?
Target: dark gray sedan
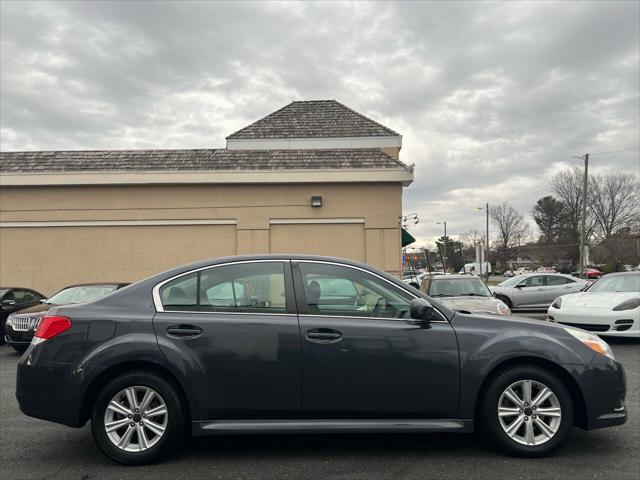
column 308, row 344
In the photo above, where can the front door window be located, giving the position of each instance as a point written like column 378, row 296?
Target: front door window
column 342, row 291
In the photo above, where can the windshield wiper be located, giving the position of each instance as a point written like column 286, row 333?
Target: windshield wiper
column 472, row 295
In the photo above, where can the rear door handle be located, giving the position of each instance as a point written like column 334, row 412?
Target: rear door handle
column 183, row 331
column 323, row 335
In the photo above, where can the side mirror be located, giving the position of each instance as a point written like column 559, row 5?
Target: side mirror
column 420, row 310
column 43, row 300
column 8, row 303
column 520, row 285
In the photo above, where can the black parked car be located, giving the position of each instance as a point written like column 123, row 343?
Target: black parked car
column 272, row 344
column 13, row 299
column 21, row 325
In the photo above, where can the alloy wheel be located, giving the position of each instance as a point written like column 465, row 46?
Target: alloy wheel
column 136, row 419
column 529, row 412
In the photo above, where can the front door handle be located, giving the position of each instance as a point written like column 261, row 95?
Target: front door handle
column 323, row 335
column 182, row 331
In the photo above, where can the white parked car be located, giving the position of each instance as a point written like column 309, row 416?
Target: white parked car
column 414, row 278
column 611, row 306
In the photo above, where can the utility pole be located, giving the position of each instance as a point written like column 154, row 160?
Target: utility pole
column 444, row 253
column 583, row 228
column 487, row 255
column 486, row 209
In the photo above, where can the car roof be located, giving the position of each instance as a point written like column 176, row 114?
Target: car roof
column 620, row 274
column 553, row 274
column 95, row 284
column 453, row 275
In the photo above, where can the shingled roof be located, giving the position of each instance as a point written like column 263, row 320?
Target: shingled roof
column 313, row 119
column 203, row 159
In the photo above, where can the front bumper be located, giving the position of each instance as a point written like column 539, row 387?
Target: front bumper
column 604, row 322
column 603, row 385
column 17, row 337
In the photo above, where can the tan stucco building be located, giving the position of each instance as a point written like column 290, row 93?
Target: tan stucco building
column 86, row 216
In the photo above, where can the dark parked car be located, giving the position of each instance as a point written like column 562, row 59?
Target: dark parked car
column 13, row 299
column 21, row 325
column 280, row 343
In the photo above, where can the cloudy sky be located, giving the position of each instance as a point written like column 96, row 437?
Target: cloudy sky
column 492, row 98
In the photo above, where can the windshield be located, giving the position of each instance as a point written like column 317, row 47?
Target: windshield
column 617, row 283
column 459, row 287
column 3, row 291
column 510, row 282
column 80, row 294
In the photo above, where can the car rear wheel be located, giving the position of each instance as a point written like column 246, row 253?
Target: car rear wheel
column 137, row 418
column 526, row 411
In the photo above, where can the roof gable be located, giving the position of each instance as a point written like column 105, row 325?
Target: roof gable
column 313, row 119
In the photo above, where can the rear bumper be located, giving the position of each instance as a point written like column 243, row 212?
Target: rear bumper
column 50, row 391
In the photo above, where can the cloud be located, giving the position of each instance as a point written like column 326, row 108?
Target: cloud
column 491, row 98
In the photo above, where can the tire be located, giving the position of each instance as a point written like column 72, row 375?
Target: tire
column 19, row 348
column 505, row 300
column 495, row 427
column 153, row 446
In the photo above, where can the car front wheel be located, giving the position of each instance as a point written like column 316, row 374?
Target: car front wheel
column 505, row 300
column 526, row 411
column 137, row 418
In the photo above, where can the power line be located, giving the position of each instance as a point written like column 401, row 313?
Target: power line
column 616, row 151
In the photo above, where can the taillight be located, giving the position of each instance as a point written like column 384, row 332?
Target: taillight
column 50, row 327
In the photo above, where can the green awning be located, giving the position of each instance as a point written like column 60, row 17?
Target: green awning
column 407, row 238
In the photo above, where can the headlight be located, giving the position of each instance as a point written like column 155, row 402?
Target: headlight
column 628, row 305
column 557, row 303
column 9, row 320
column 503, row 309
column 594, row 342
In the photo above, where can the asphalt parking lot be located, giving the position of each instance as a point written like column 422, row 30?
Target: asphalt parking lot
column 34, row 449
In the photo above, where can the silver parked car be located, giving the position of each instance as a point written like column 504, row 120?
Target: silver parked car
column 463, row 293
column 536, row 290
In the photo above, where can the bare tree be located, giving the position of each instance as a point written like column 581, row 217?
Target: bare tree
column 614, row 203
column 472, row 238
column 567, row 186
column 511, row 225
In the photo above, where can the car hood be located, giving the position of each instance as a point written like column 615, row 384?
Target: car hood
column 35, row 311
column 596, row 299
column 472, row 304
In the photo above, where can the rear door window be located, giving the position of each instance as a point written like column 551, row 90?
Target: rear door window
column 555, row 281
column 257, row 287
column 244, row 288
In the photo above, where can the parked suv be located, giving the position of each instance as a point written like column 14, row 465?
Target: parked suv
column 21, row 325
column 536, row 290
column 282, row 344
column 13, row 299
